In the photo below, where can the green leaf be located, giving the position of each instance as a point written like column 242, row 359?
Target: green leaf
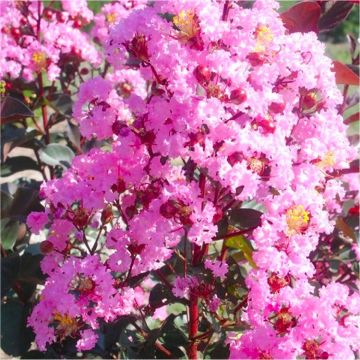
column 57, row 154
column 9, row 232
column 240, row 242
column 28, row 93
column 18, row 163
column 16, row 337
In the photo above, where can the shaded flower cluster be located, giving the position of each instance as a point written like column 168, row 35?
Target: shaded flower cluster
column 36, row 39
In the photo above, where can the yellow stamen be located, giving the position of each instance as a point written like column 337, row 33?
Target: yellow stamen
column 256, row 165
column 39, row 59
column 111, row 18
column 263, row 36
column 82, row 283
column 327, row 161
column 297, row 219
column 65, row 326
column 64, row 320
column 187, row 23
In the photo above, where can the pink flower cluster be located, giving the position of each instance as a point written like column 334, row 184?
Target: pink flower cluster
column 209, row 105
column 36, row 38
column 110, row 15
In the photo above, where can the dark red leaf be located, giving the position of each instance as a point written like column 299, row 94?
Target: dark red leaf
column 355, row 210
column 354, row 167
column 335, row 15
column 352, row 118
column 344, row 75
column 302, row 17
column 354, row 68
column 353, row 44
column 13, row 109
column 356, row 60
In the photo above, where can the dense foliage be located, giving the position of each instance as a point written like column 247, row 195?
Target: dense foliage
column 202, row 201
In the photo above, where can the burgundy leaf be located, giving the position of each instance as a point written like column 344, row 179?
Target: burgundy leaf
column 335, row 15
column 302, row 17
column 345, row 75
column 352, row 118
column 13, row 109
column 353, row 44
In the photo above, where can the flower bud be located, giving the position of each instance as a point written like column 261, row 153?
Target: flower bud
column 119, row 187
column 48, row 14
column 277, row 107
column 60, row 17
column 46, row 247
column 256, row 58
column 84, row 71
column 238, row 96
column 168, row 209
column 309, row 100
column 107, row 215
column 235, row 157
column 202, row 74
column 78, row 24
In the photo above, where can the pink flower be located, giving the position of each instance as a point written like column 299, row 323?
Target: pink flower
column 37, row 221
column 183, row 285
column 87, row 341
column 218, row 268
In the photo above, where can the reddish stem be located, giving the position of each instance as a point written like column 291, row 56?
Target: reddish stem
column 133, row 257
column 223, row 254
column 193, row 325
column 241, row 305
column 202, row 181
column 41, row 92
column 345, row 93
column 43, row 108
column 41, row 84
column 193, row 309
column 226, row 10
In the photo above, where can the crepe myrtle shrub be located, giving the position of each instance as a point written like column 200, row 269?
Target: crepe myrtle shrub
column 206, row 220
